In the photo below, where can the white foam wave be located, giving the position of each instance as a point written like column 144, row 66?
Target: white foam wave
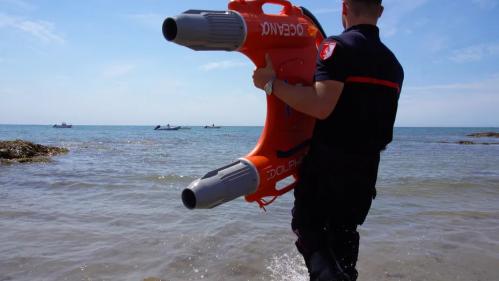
column 288, row 268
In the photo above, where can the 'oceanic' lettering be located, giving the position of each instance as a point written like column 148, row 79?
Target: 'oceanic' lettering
column 282, row 29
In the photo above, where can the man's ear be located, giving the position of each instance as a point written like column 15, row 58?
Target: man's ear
column 344, row 8
column 381, row 11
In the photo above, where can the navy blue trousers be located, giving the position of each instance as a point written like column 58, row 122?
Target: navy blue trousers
column 332, row 199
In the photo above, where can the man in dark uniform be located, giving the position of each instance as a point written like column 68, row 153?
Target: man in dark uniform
column 354, row 98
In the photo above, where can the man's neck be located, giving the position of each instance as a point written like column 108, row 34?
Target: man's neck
column 359, row 21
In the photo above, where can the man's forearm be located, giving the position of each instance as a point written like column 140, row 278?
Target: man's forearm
column 300, row 98
column 317, row 101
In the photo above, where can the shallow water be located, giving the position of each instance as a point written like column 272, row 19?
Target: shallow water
column 111, row 210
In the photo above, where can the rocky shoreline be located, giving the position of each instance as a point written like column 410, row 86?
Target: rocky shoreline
column 478, row 135
column 20, row 151
column 484, row 135
column 471, row 143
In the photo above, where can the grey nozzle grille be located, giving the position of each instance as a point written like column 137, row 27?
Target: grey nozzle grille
column 206, row 30
column 221, row 185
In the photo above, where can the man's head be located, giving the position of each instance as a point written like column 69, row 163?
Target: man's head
column 361, row 12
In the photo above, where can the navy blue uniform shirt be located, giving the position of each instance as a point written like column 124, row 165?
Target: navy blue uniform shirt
column 364, row 117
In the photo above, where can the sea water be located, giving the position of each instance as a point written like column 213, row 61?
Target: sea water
column 110, row 209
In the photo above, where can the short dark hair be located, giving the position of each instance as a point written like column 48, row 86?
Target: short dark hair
column 365, row 7
column 373, row 2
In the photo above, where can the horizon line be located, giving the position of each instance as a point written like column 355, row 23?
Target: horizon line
column 128, row 125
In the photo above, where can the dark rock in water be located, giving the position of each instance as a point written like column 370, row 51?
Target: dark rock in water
column 464, row 142
column 484, row 135
column 20, row 151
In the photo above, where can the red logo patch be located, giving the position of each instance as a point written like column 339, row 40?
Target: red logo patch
column 327, row 50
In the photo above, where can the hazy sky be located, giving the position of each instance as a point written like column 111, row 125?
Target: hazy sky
column 106, row 62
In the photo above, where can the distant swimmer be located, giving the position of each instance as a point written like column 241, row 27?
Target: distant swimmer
column 358, row 84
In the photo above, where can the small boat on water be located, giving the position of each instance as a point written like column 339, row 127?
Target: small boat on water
column 212, row 127
column 63, row 125
column 167, row 128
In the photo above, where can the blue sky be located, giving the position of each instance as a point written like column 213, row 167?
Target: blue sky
column 106, row 62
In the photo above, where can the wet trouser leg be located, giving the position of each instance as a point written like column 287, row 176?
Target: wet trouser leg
column 332, row 198
column 343, row 243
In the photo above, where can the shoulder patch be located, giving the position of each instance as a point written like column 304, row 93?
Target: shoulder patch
column 327, row 50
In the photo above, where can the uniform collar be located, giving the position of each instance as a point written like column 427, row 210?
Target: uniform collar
column 365, row 29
